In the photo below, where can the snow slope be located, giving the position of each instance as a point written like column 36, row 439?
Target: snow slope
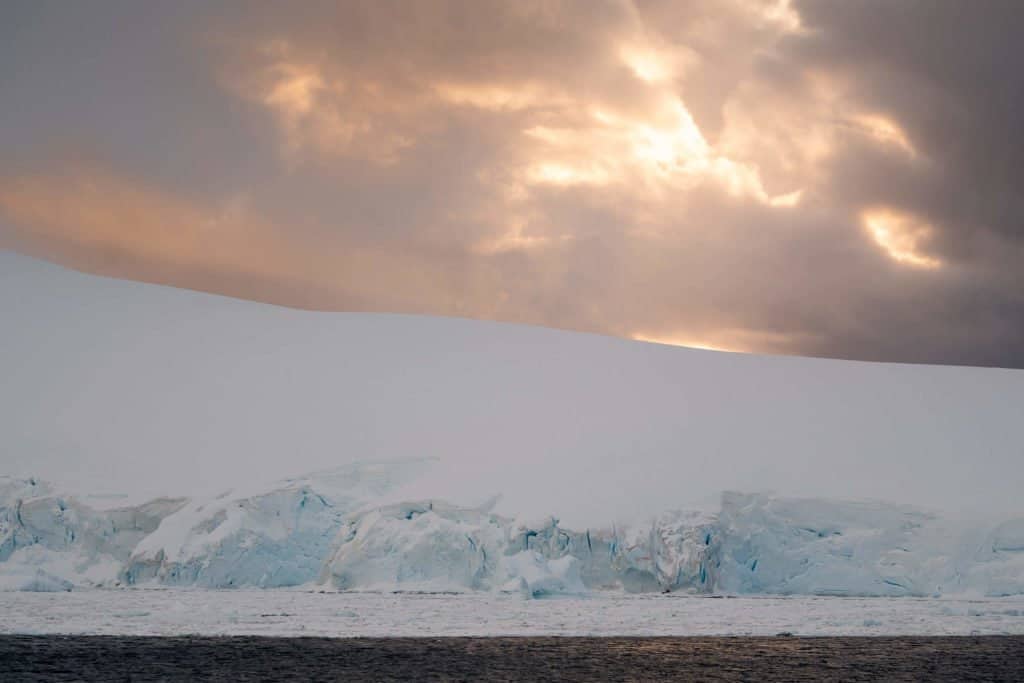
column 115, row 387
column 469, row 455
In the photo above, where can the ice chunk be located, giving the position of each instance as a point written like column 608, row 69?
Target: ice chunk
column 31, row 579
column 425, row 545
column 532, row 575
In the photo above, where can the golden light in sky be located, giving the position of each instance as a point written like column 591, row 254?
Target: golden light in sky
column 653, row 65
column 886, row 132
column 901, row 236
column 682, row 341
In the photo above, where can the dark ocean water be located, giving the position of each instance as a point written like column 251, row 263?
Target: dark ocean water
column 117, row 658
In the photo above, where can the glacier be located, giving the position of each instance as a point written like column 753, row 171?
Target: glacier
column 152, row 435
column 340, row 530
column 151, row 391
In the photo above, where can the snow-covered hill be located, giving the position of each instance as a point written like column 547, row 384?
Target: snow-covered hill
column 115, row 387
column 453, row 454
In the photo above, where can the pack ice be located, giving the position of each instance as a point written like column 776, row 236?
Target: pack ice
column 341, row 530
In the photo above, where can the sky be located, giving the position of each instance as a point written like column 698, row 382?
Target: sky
column 836, row 179
column 117, row 387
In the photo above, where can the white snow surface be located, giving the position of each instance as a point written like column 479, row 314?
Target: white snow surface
column 119, row 392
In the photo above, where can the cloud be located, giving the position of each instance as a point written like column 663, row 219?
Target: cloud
column 784, row 177
column 900, row 236
column 95, row 220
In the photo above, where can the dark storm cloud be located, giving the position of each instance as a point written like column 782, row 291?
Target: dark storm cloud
column 826, row 178
column 949, row 73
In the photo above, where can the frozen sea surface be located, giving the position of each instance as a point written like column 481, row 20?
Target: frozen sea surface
column 302, row 613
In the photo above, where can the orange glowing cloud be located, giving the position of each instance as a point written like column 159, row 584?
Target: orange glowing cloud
column 901, row 236
column 732, row 340
column 98, row 221
column 885, row 131
column 683, row 341
column 99, row 217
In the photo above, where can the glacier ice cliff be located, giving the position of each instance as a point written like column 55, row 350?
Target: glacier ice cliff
column 343, row 530
column 264, row 538
column 55, row 539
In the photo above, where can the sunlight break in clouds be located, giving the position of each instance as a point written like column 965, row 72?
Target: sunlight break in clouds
column 901, row 236
column 886, row 132
column 659, row 64
column 730, row 340
column 677, row 341
column 663, row 149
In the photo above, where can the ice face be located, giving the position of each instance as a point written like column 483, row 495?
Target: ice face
column 534, row 576
column 824, row 547
column 62, row 537
column 431, row 545
column 267, row 536
column 272, row 540
column 416, row 546
column 264, row 538
column 819, row 547
column 341, row 530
